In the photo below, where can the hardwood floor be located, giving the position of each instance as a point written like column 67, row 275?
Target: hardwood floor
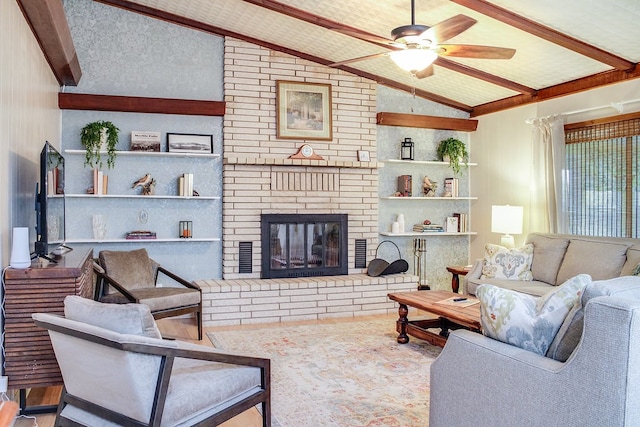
column 183, row 329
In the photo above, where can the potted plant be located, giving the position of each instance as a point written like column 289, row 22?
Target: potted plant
column 96, row 136
column 455, row 151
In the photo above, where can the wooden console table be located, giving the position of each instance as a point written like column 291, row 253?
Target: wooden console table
column 29, row 358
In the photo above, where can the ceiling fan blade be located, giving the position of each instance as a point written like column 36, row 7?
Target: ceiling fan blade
column 364, row 36
column 448, row 28
column 426, row 72
column 474, row 51
column 362, row 58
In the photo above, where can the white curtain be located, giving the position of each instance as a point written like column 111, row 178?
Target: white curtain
column 548, row 171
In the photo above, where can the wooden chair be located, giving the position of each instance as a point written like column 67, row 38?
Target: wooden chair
column 117, row 370
column 132, row 277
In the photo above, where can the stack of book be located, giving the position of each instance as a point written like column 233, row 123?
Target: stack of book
column 463, row 222
column 428, row 228
column 100, row 182
column 140, row 235
column 185, row 185
column 451, row 187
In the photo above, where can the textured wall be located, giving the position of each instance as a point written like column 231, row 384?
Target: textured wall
column 123, row 53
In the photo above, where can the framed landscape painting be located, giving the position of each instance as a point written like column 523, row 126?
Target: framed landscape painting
column 189, row 143
column 303, row 110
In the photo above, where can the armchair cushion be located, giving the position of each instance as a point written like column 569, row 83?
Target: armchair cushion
column 158, row 299
column 133, row 269
column 511, row 264
column 523, row 320
column 134, row 319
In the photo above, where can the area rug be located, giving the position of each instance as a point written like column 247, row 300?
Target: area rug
column 340, row 374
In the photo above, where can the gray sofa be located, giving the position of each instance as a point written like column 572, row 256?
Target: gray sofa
column 558, row 257
column 503, row 385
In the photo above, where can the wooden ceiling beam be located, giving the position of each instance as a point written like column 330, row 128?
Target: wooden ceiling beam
column 563, row 89
column 546, row 33
column 190, row 23
column 49, row 25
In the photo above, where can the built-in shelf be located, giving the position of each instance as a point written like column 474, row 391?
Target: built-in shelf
column 427, row 198
column 137, row 196
column 426, row 162
column 417, row 234
column 123, row 240
column 151, row 153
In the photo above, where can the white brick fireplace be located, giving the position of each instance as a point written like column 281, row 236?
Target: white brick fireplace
column 259, row 178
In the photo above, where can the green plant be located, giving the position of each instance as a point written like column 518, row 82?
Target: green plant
column 455, row 150
column 91, row 138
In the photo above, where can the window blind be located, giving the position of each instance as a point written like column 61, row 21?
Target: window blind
column 601, row 182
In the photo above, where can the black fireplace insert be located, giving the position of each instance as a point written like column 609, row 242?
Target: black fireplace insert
column 304, row 245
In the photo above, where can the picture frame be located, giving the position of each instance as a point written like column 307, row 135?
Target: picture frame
column 303, row 110
column 364, row 156
column 189, row 143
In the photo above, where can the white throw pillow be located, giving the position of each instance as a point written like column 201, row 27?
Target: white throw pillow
column 523, row 320
column 511, row 264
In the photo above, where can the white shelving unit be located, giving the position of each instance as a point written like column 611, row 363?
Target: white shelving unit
column 165, row 208
column 429, row 234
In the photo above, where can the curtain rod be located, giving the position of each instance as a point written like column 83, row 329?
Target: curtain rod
column 618, row 106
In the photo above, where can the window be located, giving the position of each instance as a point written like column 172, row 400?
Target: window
column 602, row 183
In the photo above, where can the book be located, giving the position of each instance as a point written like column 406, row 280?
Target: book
column 459, row 301
column 140, row 234
column 450, row 187
column 145, row 141
column 404, row 185
column 452, row 224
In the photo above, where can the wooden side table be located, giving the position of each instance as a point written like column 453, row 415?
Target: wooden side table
column 457, row 271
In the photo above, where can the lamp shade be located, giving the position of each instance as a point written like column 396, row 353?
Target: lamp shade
column 507, row 220
column 20, row 256
column 413, row 59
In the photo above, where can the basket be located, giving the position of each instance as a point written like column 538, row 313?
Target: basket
column 380, row 267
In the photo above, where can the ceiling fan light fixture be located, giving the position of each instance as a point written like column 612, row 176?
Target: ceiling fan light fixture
column 413, row 60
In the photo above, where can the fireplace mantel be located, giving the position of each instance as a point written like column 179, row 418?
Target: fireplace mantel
column 261, row 161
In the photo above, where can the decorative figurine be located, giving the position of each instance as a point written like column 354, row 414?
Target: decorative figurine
column 429, row 188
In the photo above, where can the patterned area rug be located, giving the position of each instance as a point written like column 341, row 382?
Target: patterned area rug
column 343, row 374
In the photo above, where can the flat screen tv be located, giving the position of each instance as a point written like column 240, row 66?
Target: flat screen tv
column 50, row 233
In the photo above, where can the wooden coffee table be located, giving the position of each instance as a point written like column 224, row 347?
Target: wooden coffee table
column 450, row 315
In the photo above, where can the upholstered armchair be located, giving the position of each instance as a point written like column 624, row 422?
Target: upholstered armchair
column 117, row 370
column 132, row 277
column 479, row 381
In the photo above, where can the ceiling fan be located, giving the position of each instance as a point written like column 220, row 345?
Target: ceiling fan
column 415, row 46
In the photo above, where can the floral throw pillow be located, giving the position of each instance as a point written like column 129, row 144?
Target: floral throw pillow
column 523, row 320
column 511, row 264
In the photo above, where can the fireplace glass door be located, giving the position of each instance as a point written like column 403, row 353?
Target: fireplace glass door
column 305, row 248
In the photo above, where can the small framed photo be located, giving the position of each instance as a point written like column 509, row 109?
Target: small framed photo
column 363, row 156
column 189, row 143
column 303, row 110
column 452, row 224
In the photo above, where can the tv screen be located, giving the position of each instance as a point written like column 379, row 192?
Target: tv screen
column 50, row 231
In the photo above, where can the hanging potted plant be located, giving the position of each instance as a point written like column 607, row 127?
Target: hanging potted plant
column 97, row 136
column 454, row 151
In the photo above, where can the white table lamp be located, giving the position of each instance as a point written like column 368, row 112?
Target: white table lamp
column 507, row 220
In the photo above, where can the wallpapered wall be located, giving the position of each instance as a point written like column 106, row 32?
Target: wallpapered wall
column 124, row 53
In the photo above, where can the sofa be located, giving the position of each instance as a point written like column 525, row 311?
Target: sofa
column 499, row 384
column 557, row 258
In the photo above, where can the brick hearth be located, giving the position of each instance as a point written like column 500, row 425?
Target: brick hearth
column 252, row 301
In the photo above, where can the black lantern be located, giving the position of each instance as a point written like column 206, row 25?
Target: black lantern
column 406, row 150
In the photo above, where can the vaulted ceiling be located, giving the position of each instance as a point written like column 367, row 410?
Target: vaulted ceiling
column 562, row 46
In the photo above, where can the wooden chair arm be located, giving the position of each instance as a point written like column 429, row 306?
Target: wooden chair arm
column 117, row 286
column 183, row 282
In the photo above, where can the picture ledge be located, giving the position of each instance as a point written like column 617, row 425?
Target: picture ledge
column 260, row 161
